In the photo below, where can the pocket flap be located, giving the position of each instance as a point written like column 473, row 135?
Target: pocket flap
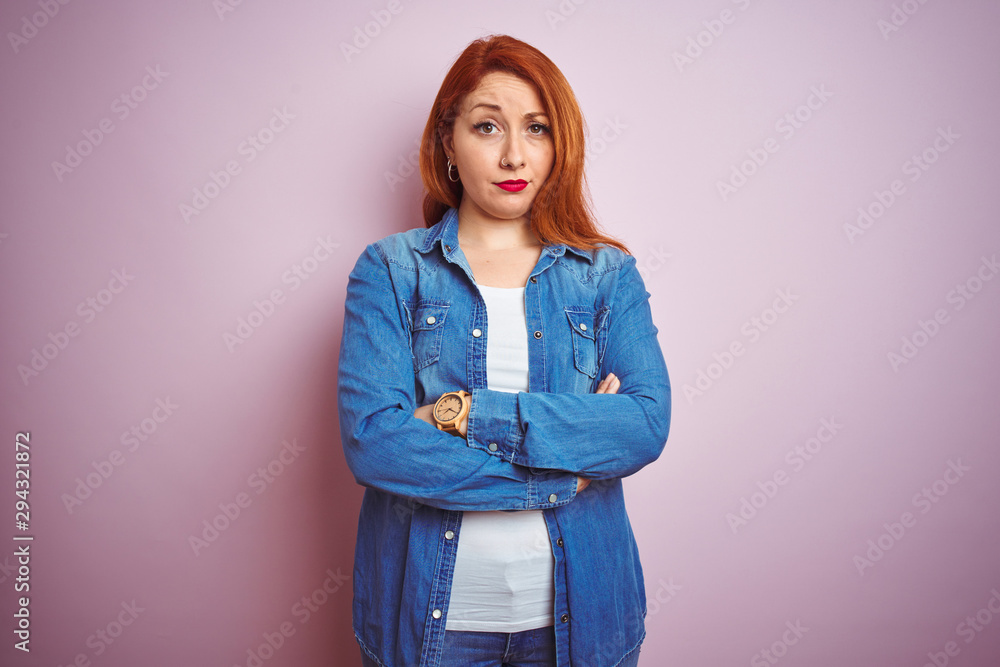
column 582, row 321
column 428, row 316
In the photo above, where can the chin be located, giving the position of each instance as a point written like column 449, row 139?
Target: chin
column 511, row 208
column 511, row 213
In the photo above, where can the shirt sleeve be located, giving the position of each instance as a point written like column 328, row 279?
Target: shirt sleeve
column 597, row 436
column 386, row 446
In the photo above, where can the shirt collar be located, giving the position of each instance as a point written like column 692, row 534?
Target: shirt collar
column 445, row 234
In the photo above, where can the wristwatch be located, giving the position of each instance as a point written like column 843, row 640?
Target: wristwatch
column 451, row 409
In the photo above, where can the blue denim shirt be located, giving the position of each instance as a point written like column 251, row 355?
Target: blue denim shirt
column 414, row 328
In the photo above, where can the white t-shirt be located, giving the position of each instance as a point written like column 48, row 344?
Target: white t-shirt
column 503, row 580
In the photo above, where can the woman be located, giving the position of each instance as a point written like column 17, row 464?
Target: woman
column 499, row 375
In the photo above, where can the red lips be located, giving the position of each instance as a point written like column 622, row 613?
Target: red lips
column 513, row 186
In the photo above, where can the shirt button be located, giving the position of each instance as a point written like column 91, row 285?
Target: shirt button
column 448, row 248
column 476, row 333
column 559, row 542
column 493, row 446
column 534, row 279
column 552, row 497
column 538, row 334
column 432, row 320
column 583, row 326
column 564, row 618
column 437, row 614
column 449, row 535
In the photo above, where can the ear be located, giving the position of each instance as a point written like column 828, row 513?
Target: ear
column 447, row 142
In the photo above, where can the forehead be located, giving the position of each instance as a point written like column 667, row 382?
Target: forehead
column 504, row 90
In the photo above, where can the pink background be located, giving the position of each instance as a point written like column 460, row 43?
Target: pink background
column 665, row 133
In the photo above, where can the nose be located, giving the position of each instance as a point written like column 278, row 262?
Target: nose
column 514, row 152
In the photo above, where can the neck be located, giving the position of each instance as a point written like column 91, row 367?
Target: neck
column 477, row 231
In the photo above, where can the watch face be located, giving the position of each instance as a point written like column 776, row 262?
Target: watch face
column 447, row 408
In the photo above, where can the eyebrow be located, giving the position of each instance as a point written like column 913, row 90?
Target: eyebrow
column 496, row 107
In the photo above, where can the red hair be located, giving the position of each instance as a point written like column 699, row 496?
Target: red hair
column 562, row 211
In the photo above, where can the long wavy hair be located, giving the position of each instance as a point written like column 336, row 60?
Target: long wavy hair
column 562, row 212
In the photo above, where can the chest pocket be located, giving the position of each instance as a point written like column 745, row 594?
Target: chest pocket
column 589, row 336
column 427, row 317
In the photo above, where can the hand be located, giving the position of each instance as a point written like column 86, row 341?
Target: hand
column 609, row 385
column 426, row 412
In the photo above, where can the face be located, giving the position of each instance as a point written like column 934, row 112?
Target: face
column 501, row 120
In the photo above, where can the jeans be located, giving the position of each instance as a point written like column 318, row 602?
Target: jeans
column 531, row 648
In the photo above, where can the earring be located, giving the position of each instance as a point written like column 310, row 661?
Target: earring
column 450, row 165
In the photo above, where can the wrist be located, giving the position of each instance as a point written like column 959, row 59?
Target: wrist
column 451, row 411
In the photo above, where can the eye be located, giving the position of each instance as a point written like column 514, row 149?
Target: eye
column 483, row 125
column 538, row 128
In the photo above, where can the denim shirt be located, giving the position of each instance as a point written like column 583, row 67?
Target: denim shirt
column 414, row 328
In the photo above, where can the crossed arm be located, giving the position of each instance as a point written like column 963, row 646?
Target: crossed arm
column 521, row 451
column 609, row 385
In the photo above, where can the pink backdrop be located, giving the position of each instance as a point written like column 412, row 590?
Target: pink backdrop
column 808, row 188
